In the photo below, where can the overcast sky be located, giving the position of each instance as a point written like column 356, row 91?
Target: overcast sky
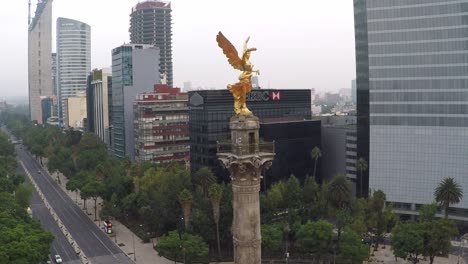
column 301, row 44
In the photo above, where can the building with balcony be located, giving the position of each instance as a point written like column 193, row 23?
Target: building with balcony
column 151, row 23
column 161, row 125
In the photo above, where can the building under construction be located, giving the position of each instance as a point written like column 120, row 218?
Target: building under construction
column 151, row 23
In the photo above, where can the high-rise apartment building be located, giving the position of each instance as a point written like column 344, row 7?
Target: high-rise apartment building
column 73, row 59
column 151, row 23
column 412, row 89
column 161, row 125
column 135, row 69
column 39, row 58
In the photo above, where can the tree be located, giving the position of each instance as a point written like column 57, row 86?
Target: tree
column 215, row 192
column 272, row 238
column 185, row 200
column 361, row 166
column 448, row 192
column 408, row 241
column 204, row 177
column 437, row 236
column 173, row 246
column 23, row 195
column 161, row 187
column 377, row 203
column 310, row 194
column 22, row 241
column 93, row 189
column 315, row 154
column 427, row 213
column 293, row 194
column 76, row 183
column 343, row 218
column 315, row 237
column 351, row 247
column 340, row 191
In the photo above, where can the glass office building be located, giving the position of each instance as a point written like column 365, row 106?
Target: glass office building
column 73, row 60
column 412, row 77
column 211, row 110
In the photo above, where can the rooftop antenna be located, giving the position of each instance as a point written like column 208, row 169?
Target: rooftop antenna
column 29, row 12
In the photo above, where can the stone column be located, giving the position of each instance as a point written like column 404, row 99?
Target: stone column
column 245, row 158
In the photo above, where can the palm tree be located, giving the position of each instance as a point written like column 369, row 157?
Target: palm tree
column 340, row 190
column 185, row 200
column 316, row 154
column 215, row 193
column 204, row 177
column 127, row 165
column 361, row 166
column 448, row 192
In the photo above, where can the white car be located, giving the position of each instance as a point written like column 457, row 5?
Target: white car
column 58, row 259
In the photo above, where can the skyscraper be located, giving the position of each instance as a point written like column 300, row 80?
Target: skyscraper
column 151, row 23
column 39, row 58
column 135, row 69
column 73, row 59
column 412, row 89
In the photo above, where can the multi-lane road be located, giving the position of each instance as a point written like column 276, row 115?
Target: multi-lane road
column 60, row 244
column 94, row 243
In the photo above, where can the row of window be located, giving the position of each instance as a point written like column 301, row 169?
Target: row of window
column 455, row 83
column 459, row 45
column 417, row 60
column 385, row 3
column 420, row 109
column 412, row 23
column 427, row 34
column 419, row 97
column 419, row 121
column 421, row 72
column 445, row 7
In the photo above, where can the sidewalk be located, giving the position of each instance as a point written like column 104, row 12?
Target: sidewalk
column 386, row 256
column 126, row 240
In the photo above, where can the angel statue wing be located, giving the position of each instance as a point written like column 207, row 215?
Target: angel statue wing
column 230, row 52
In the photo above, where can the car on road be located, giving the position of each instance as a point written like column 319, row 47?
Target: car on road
column 58, row 259
column 39, row 171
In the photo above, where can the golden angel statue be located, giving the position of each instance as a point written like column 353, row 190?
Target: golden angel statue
column 240, row 89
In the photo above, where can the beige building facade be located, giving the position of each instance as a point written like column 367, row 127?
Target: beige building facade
column 76, row 111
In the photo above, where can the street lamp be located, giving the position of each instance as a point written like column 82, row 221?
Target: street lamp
column 287, row 230
column 134, row 253
column 180, row 229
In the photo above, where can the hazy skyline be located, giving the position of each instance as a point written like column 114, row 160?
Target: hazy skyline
column 301, row 44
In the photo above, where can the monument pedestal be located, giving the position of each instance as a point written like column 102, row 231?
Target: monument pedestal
column 246, row 158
